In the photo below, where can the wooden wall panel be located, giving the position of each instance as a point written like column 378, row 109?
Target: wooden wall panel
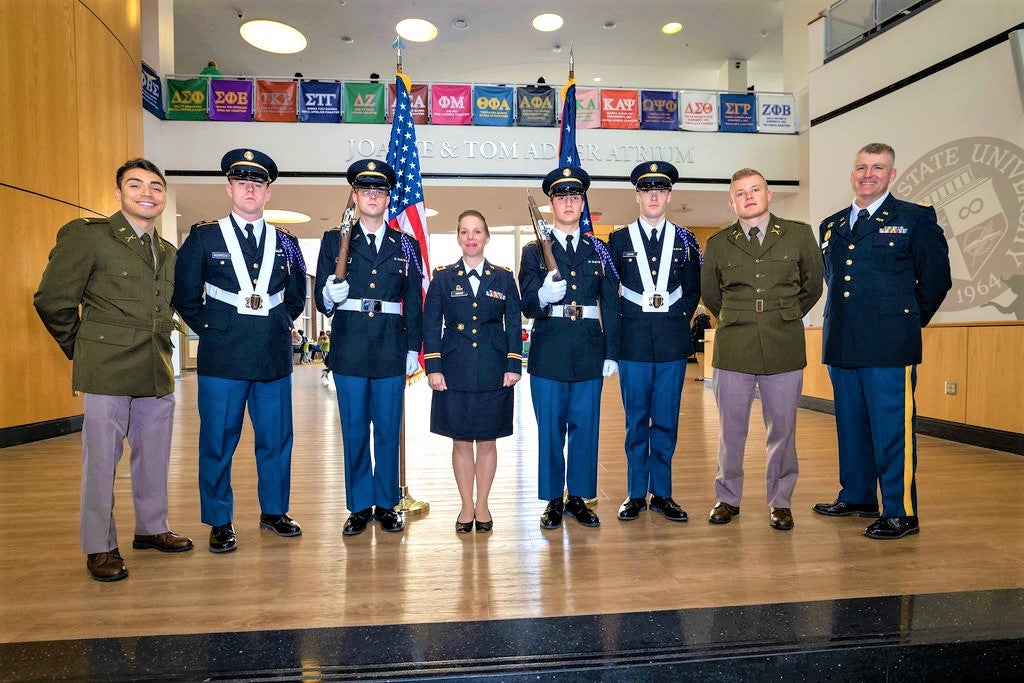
column 944, row 360
column 995, row 377
column 35, row 376
column 38, row 101
column 123, row 20
column 816, row 380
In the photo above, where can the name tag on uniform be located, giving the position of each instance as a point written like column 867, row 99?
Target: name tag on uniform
column 460, row 293
column 824, row 245
column 629, row 254
column 221, row 255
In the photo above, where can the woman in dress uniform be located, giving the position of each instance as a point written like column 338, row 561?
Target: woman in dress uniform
column 473, row 346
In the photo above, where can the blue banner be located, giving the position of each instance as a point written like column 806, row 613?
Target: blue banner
column 738, row 113
column 152, row 92
column 492, row 105
column 319, row 102
column 659, row 109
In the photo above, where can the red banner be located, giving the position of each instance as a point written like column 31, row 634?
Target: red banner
column 418, row 98
column 451, row 105
column 275, row 100
column 620, row 109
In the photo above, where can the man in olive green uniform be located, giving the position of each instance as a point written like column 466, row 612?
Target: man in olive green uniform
column 761, row 275
column 105, row 296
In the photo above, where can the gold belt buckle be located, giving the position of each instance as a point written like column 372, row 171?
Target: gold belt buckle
column 759, row 305
column 255, row 302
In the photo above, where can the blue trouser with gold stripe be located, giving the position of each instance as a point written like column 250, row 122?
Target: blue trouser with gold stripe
column 875, row 417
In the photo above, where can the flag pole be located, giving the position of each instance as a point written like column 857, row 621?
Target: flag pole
column 406, row 503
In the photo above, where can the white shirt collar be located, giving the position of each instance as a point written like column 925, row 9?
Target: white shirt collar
column 257, row 225
column 647, row 227
column 479, row 270
column 872, row 208
column 560, row 236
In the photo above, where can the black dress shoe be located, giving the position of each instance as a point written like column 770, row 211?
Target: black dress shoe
column 552, row 517
column 463, row 527
column 357, row 521
column 484, row 527
column 631, row 508
column 723, row 513
column 222, row 539
column 106, row 566
column 781, row 519
column 886, row 528
column 390, row 520
column 842, row 509
column 575, row 507
column 668, row 508
column 282, row 525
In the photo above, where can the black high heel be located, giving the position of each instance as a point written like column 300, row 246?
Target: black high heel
column 463, row 527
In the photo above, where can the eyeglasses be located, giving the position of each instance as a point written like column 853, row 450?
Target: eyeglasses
column 371, row 193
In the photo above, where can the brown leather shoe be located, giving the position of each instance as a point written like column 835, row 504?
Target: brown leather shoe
column 781, row 519
column 167, row 542
column 723, row 513
column 107, row 566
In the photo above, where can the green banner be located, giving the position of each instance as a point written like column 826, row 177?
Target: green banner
column 364, row 103
column 186, row 99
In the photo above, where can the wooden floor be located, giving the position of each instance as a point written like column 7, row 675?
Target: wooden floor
column 971, row 507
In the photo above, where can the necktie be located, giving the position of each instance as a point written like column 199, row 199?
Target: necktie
column 862, row 221
column 654, row 236
column 147, row 242
column 753, row 236
column 373, row 242
column 250, row 238
column 569, row 249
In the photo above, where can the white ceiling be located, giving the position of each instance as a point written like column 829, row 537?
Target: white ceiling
column 499, row 46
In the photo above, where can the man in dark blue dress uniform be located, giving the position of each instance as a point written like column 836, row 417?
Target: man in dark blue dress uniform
column 887, row 271
column 659, row 266
column 376, row 335
column 575, row 345
column 239, row 283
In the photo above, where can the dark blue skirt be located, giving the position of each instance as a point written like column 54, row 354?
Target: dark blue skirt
column 472, row 415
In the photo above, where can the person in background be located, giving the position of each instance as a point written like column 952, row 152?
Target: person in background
column 472, row 341
column 117, row 330
column 701, row 324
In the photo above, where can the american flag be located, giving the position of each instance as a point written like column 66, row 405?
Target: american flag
column 406, row 211
column 569, row 155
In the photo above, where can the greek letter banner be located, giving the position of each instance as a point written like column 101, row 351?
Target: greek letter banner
column 737, row 113
column 699, row 111
column 230, row 100
column 776, row 114
column 186, row 99
column 418, row 97
column 659, row 110
column 152, row 92
column 275, row 100
column 364, row 103
column 319, row 102
column 450, row 105
column 492, row 105
column 588, row 107
column 619, row 109
column 535, row 105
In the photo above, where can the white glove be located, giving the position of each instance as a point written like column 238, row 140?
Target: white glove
column 610, row 368
column 551, row 291
column 335, row 292
column 412, row 363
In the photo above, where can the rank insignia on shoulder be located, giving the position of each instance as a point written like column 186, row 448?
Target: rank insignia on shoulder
column 94, row 220
column 439, row 268
column 506, row 269
column 830, row 224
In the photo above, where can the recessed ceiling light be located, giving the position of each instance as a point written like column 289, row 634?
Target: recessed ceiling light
column 281, row 216
column 547, row 22
column 609, row 25
column 671, row 27
column 430, row 213
column 273, row 36
column 460, row 24
column 347, row 39
column 597, row 79
column 416, row 30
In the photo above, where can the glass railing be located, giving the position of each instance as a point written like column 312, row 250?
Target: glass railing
column 848, row 22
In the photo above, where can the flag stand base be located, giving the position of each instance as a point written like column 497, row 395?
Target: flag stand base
column 409, row 505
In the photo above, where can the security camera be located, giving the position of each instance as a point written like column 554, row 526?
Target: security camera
column 240, row 14
column 737, row 63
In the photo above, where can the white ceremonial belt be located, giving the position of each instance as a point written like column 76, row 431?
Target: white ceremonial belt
column 575, row 312
column 254, row 301
column 371, row 306
column 649, row 302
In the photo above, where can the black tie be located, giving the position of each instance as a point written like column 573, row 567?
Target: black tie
column 862, row 221
column 569, row 249
column 373, row 242
column 654, row 237
column 250, row 238
column 753, row 236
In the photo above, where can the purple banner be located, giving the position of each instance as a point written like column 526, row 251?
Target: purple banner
column 230, row 100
